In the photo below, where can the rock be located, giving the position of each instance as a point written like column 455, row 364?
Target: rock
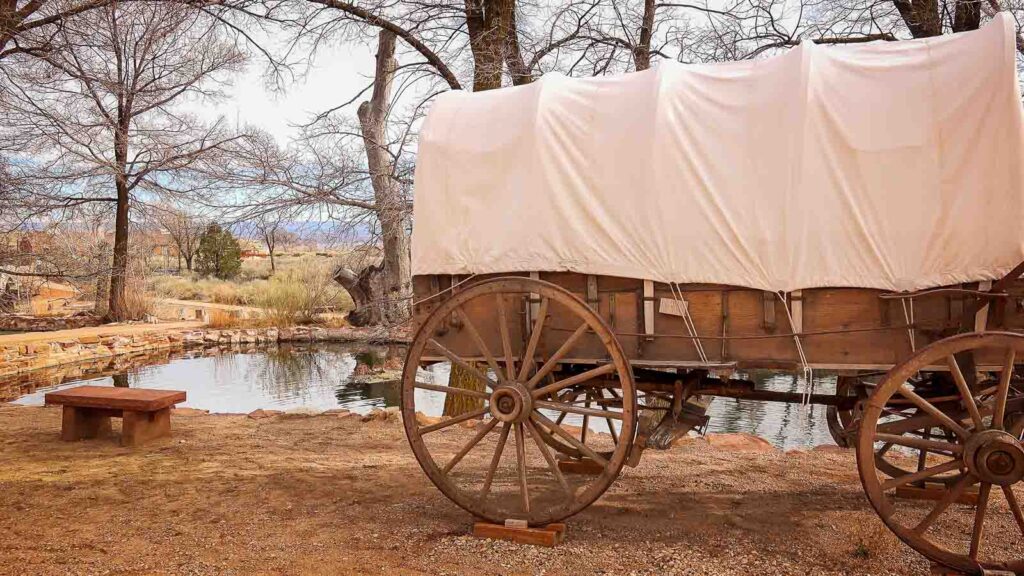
column 337, row 412
column 261, row 413
column 376, row 414
column 470, row 424
column 190, row 411
column 832, row 449
column 740, row 442
column 424, row 420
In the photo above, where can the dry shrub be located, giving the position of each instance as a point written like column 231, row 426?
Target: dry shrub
column 137, row 303
column 299, row 295
column 224, row 320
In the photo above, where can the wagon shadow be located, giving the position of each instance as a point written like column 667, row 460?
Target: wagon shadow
column 666, row 513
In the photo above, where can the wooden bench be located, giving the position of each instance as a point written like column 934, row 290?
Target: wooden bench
column 145, row 414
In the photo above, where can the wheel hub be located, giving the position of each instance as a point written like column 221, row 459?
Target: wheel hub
column 511, row 403
column 995, row 456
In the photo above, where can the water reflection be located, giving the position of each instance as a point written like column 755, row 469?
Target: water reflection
column 319, row 377
column 288, row 377
column 784, row 425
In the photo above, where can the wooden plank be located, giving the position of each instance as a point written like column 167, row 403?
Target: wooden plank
column 136, row 399
column 672, row 307
column 584, row 466
column 935, row 493
column 981, row 317
column 648, row 307
column 550, row 535
column 940, row 570
column 796, row 309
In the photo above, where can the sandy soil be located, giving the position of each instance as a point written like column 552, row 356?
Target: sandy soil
column 108, row 329
column 331, row 495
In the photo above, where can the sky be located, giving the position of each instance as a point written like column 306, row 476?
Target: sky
column 337, row 75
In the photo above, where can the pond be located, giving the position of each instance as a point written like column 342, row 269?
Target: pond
column 360, row 378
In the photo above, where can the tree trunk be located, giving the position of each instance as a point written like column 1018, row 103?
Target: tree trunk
column 273, row 267
column 102, row 304
column 920, row 16
column 642, row 50
column 117, row 310
column 382, row 293
column 490, row 23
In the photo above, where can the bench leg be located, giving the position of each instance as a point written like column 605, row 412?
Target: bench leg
column 139, row 427
column 79, row 423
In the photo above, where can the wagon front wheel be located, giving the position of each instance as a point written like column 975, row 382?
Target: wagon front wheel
column 499, row 375
column 968, row 434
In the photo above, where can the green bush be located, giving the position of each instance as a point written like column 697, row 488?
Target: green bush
column 219, row 254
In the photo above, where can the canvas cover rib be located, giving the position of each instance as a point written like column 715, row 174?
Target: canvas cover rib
column 889, row 165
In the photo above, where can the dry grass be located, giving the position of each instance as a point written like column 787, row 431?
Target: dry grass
column 298, row 292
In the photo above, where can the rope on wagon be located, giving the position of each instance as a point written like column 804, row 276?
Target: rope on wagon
column 909, row 317
column 808, row 371
column 448, row 289
column 684, row 309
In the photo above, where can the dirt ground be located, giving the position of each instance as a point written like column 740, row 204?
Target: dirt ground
column 332, row 495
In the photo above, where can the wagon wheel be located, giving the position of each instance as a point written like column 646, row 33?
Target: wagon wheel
column 970, row 438
column 842, row 424
column 937, row 389
column 590, row 396
column 506, row 469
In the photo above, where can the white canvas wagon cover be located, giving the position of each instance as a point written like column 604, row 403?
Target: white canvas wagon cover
column 891, row 165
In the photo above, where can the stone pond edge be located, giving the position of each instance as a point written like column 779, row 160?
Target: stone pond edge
column 22, row 357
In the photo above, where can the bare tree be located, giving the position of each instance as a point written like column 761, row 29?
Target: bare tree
column 393, row 290
column 105, row 117
column 271, row 229
column 184, row 228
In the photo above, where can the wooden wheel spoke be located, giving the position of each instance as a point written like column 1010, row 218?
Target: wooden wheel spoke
column 546, row 452
column 965, row 392
column 951, row 495
column 481, row 346
column 506, row 342
column 452, row 421
column 934, row 412
column 531, row 347
column 456, row 359
column 494, row 461
column 469, row 446
column 573, row 380
column 978, row 533
column 453, row 390
column 920, row 443
column 611, row 425
column 521, row 466
column 1011, row 501
column 923, row 474
column 540, row 419
column 586, row 421
column 551, row 362
column 1003, row 390
column 885, row 448
column 572, row 409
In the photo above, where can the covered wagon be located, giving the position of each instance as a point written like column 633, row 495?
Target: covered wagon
column 594, row 259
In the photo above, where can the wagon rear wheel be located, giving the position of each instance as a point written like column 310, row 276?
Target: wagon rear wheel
column 540, row 382
column 971, row 435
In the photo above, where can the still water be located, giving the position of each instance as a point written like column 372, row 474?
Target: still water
column 359, row 378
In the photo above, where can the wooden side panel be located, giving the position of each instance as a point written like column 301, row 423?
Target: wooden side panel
column 876, row 333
